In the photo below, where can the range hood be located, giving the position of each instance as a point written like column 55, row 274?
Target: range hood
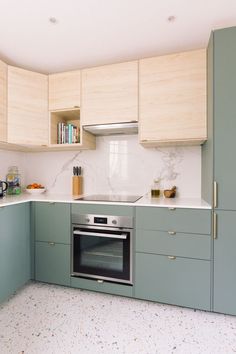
column 112, row 129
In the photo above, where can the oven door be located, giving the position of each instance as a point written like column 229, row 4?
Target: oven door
column 102, row 253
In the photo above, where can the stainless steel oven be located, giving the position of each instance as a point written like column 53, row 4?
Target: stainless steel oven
column 101, row 247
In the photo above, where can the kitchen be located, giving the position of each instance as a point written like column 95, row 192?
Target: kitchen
column 173, row 251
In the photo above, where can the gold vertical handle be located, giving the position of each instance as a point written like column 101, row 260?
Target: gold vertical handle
column 215, row 195
column 214, row 225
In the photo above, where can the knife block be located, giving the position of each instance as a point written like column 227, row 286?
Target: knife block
column 77, row 185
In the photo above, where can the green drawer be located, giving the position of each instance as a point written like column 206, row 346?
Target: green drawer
column 105, row 287
column 178, row 244
column 182, row 281
column 52, row 222
column 166, row 219
column 102, row 209
column 52, row 263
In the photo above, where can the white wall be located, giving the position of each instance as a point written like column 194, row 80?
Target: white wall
column 119, row 164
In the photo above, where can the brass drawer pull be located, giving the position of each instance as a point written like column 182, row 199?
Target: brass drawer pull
column 100, row 281
column 171, row 232
column 51, row 243
column 172, row 208
column 171, row 257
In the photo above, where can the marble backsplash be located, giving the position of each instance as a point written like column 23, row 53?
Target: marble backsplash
column 118, row 165
column 12, row 158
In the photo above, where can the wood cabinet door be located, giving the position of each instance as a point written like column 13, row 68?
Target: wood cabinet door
column 110, row 94
column 64, row 90
column 224, row 296
column 27, row 107
column 3, row 101
column 172, row 97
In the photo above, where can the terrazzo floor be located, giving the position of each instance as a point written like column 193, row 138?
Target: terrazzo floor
column 48, row 319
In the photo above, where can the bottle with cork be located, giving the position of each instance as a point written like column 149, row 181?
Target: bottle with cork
column 77, row 181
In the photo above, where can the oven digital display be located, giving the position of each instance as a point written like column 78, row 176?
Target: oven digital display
column 100, row 220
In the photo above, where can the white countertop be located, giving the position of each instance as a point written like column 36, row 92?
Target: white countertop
column 192, row 203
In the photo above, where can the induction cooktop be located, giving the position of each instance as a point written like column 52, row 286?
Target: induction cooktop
column 110, row 198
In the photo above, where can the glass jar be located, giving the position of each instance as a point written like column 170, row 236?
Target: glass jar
column 14, row 180
column 155, row 189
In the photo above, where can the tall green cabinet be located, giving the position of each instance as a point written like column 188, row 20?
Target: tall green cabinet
column 219, row 167
column 15, row 253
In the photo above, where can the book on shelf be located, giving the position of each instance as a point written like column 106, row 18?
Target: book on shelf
column 67, row 133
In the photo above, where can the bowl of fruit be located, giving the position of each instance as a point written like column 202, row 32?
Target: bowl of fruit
column 35, row 188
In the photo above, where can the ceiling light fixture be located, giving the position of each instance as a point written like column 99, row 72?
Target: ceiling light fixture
column 171, row 18
column 53, row 20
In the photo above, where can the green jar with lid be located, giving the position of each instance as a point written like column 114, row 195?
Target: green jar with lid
column 14, row 181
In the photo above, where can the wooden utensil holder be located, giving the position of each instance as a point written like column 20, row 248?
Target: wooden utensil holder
column 77, row 185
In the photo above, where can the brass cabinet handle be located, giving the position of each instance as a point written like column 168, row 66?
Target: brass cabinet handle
column 215, row 195
column 214, row 225
column 172, row 208
column 51, row 243
column 171, row 257
column 171, row 232
column 100, row 281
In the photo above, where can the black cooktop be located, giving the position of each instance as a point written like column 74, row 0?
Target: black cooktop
column 111, row 198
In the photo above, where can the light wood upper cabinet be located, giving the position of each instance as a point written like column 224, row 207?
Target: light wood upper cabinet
column 3, row 101
column 64, row 90
column 110, row 94
column 172, row 99
column 27, row 107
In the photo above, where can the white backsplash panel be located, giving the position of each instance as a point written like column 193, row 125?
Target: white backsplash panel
column 119, row 165
column 12, row 158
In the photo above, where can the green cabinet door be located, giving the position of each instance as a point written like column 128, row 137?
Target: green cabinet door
column 52, row 222
column 15, row 260
column 173, row 280
column 224, row 299
column 52, row 263
column 196, row 221
column 224, row 116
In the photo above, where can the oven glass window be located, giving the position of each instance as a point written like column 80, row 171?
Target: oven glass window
column 102, row 253
column 108, row 257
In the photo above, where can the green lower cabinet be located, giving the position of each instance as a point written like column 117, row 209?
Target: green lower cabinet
column 105, row 287
column 52, row 222
column 15, row 257
column 177, row 281
column 224, row 296
column 180, row 244
column 52, row 263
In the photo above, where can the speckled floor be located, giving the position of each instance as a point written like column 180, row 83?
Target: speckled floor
column 47, row 319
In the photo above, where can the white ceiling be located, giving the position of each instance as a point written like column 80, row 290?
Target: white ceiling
column 96, row 32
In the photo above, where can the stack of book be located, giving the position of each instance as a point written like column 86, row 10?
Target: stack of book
column 67, row 134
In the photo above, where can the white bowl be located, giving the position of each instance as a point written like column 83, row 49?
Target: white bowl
column 35, row 191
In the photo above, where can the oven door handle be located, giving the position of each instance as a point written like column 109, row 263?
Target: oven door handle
column 95, row 234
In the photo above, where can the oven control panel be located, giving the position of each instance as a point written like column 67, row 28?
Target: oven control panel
column 108, row 220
